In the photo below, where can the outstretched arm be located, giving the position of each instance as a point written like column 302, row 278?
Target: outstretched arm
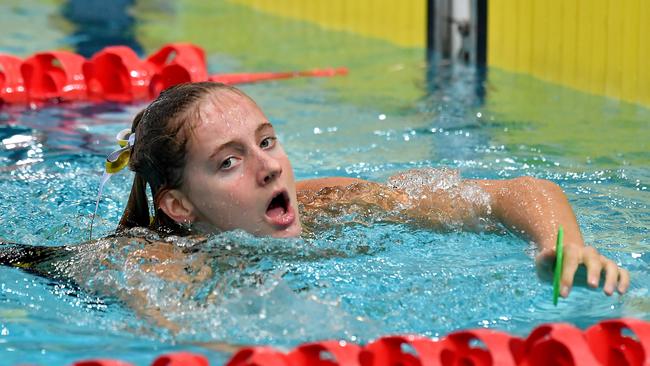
column 532, row 208
column 535, row 208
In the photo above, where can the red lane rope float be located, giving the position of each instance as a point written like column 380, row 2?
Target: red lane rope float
column 12, row 87
column 616, row 342
column 117, row 74
column 557, row 344
column 325, row 353
column 181, row 359
column 262, row 76
column 177, row 63
column 55, row 74
column 611, row 347
column 258, row 356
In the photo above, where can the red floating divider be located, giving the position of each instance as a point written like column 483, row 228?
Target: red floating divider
column 177, row 63
column 258, row 356
column 455, row 349
column 12, row 87
column 117, row 74
column 54, row 75
column 101, row 362
column 390, row 350
column 611, row 347
column 500, row 348
column 325, row 353
column 603, row 344
column 557, row 344
column 181, row 359
column 264, row 76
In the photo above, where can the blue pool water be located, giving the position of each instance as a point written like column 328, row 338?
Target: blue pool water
column 357, row 279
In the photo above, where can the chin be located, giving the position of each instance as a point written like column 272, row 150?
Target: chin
column 290, row 232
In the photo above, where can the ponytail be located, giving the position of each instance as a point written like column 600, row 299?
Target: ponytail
column 136, row 212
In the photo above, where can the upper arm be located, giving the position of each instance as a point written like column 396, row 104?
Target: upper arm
column 317, row 184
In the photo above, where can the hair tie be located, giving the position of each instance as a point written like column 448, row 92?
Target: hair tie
column 115, row 161
column 119, row 159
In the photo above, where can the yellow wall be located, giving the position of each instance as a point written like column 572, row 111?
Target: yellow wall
column 597, row 46
column 402, row 22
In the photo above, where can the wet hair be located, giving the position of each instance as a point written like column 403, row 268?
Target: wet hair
column 158, row 156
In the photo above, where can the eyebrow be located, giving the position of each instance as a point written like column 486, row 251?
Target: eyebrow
column 263, row 126
column 228, row 144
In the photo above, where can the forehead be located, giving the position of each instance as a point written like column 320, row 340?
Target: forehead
column 226, row 110
column 221, row 117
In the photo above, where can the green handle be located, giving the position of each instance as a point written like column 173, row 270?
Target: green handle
column 559, row 254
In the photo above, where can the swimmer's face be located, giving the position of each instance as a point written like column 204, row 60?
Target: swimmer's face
column 237, row 175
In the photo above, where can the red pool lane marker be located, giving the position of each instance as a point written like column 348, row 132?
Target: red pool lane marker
column 181, row 359
column 396, row 350
column 325, row 353
column 177, row 63
column 258, row 356
column 611, row 347
column 557, row 344
column 242, row 78
column 117, row 74
column 12, row 87
column 54, row 75
column 603, row 344
column 101, row 362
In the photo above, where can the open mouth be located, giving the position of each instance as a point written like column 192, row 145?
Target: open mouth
column 278, row 206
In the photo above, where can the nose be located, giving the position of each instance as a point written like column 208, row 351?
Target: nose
column 269, row 169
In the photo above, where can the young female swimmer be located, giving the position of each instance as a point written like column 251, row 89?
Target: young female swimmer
column 213, row 163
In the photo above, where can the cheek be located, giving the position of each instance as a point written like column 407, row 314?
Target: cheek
column 221, row 193
column 203, row 190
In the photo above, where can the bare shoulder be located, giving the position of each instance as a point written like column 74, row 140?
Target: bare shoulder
column 317, row 184
column 342, row 192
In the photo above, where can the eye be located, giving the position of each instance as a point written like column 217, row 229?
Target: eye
column 228, row 163
column 268, row 142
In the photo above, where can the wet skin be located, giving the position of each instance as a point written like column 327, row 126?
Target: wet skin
column 235, row 168
column 238, row 176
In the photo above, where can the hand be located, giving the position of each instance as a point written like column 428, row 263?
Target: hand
column 595, row 263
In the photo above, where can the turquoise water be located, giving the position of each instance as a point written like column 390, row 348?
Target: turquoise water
column 357, row 279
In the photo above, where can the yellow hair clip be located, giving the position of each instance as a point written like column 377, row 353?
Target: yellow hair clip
column 119, row 159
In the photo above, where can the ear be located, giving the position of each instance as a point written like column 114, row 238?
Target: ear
column 177, row 206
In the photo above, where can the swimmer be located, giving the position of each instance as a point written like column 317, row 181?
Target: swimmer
column 211, row 162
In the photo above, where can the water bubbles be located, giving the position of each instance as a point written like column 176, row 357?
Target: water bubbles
column 415, row 182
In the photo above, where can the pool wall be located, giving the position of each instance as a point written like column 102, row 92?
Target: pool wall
column 599, row 46
column 403, row 23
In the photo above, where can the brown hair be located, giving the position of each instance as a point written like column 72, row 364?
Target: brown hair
column 158, row 156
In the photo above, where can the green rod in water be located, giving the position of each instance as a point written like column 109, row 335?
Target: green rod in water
column 559, row 254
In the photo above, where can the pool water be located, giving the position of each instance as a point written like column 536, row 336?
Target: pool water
column 356, row 278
